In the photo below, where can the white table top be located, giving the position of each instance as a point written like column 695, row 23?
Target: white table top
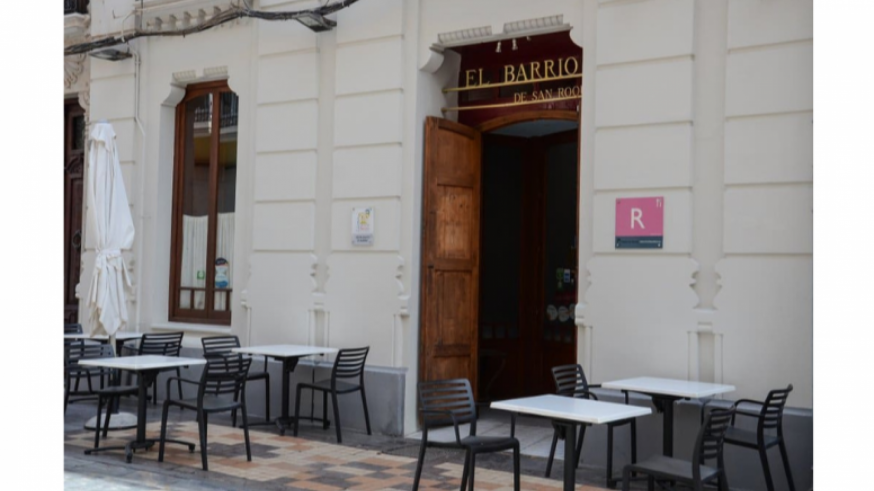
column 286, row 350
column 571, row 409
column 670, row 387
column 142, row 362
column 102, row 337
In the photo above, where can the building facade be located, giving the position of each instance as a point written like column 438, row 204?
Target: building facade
column 474, row 232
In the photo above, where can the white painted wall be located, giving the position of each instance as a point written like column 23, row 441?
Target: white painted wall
column 765, row 304
column 333, row 121
column 639, row 304
column 731, row 151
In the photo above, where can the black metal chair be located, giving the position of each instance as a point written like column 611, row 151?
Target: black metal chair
column 221, row 346
column 570, row 381
column 349, row 364
column 768, row 433
column 696, row 474
column 221, row 377
column 450, row 402
column 108, row 393
column 81, row 350
column 167, row 344
column 72, row 328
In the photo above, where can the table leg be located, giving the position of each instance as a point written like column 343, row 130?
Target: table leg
column 284, row 420
column 666, row 404
column 145, row 379
column 570, row 458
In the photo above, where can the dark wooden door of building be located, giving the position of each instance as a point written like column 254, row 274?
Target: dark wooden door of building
column 450, row 251
column 74, row 163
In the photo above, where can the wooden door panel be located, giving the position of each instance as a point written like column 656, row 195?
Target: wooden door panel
column 443, row 368
column 454, row 225
column 450, row 251
column 454, row 313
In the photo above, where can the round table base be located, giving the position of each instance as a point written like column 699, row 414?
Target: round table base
column 119, row 421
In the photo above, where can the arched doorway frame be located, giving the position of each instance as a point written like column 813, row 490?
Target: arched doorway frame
column 523, row 116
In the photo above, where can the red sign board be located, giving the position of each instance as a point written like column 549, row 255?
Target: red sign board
column 640, row 223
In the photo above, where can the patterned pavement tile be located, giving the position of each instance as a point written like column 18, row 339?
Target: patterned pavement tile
column 298, row 464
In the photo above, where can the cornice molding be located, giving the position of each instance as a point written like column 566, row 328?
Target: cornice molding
column 159, row 15
column 216, row 72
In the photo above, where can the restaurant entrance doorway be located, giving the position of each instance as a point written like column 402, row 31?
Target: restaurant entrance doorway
column 500, row 218
column 528, row 269
column 499, row 252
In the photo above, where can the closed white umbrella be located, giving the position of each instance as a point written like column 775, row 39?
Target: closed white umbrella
column 113, row 228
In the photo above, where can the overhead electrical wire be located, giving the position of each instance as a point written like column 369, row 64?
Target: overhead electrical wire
column 233, row 13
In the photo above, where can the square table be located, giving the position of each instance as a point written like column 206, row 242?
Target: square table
column 289, row 355
column 664, row 392
column 147, row 368
column 568, row 412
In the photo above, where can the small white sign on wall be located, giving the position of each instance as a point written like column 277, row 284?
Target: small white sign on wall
column 362, row 226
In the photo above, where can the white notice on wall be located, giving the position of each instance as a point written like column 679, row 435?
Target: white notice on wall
column 362, row 226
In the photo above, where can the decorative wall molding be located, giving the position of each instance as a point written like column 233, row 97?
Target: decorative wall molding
column 476, row 35
column 74, row 65
column 434, row 62
column 159, row 15
column 175, row 96
column 185, row 76
column 464, row 36
column 528, row 26
column 76, row 27
column 215, row 72
column 85, row 102
column 403, row 295
column 314, row 270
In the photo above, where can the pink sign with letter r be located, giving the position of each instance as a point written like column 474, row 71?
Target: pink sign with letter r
column 640, row 222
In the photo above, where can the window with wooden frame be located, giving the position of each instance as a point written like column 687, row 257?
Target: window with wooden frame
column 204, row 188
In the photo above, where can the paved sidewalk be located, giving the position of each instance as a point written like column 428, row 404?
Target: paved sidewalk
column 311, row 462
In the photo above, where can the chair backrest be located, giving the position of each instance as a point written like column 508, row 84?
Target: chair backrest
column 439, row 396
column 708, row 446
column 771, row 415
column 74, row 352
column 167, row 344
column 225, row 375
column 350, row 363
column 570, row 381
column 219, row 345
column 72, row 328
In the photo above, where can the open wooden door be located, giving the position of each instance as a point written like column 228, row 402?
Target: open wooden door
column 450, row 252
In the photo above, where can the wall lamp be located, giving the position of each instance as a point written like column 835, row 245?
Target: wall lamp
column 316, row 22
column 112, row 54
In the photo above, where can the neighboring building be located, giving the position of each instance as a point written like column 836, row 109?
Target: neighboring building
column 252, row 145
